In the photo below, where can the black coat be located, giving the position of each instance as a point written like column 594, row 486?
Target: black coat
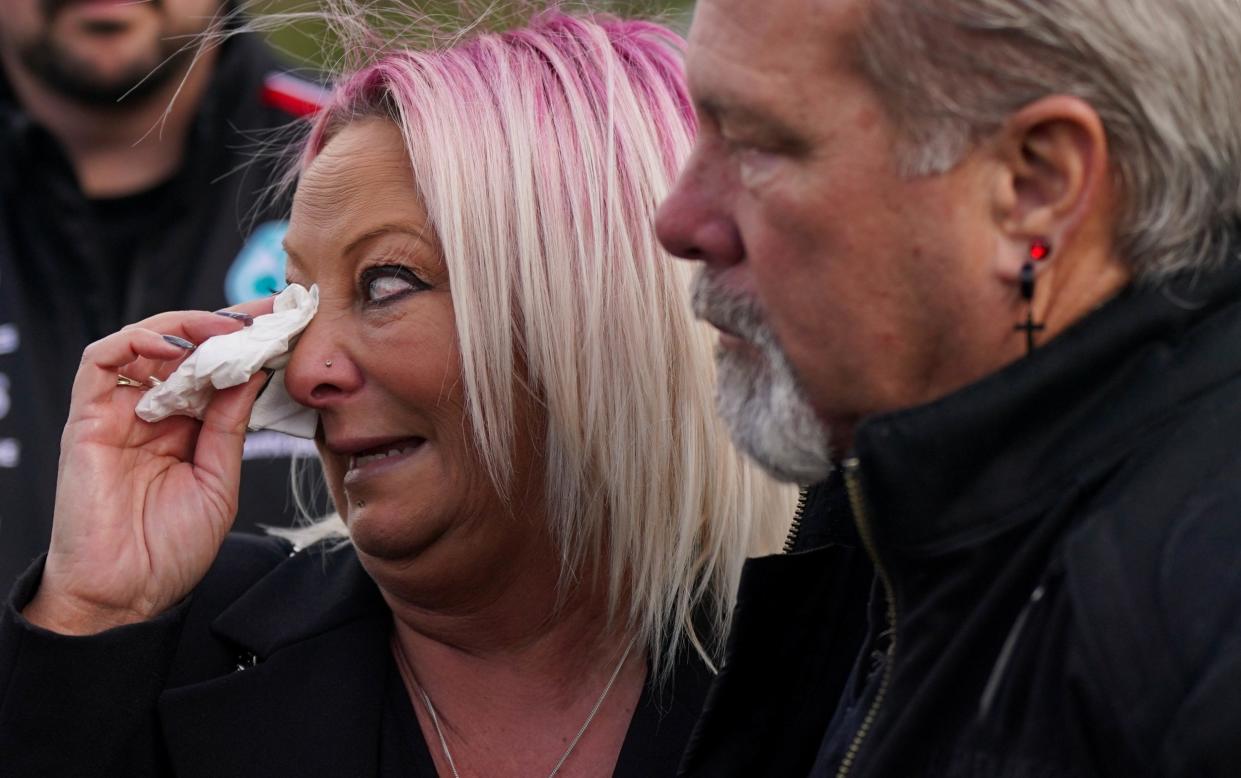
column 276, row 665
column 60, row 289
column 1060, row 551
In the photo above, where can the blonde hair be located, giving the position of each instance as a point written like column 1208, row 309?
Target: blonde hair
column 541, row 154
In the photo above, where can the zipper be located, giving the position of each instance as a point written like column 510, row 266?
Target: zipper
column 857, row 503
column 790, row 540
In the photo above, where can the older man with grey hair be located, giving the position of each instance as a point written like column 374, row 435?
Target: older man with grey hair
column 976, row 265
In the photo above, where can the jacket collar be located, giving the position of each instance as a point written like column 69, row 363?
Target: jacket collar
column 316, row 688
column 277, row 612
column 994, row 454
column 321, row 669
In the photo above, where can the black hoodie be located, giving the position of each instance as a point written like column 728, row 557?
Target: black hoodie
column 66, row 280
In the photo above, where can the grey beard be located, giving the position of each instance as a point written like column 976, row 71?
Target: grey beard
column 759, row 400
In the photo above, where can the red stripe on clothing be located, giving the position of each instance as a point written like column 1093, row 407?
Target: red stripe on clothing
column 292, row 104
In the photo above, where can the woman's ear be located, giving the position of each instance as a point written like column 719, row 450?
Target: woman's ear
column 1053, row 179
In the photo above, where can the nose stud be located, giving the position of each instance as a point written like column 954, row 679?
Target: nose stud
column 328, row 363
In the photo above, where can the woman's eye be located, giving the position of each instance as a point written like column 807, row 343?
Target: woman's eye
column 389, row 282
column 387, row 286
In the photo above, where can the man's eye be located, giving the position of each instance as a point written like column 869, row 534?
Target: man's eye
column 389, row 282
column 755, row 165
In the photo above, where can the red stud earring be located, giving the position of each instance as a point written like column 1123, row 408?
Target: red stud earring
column 1039, row 251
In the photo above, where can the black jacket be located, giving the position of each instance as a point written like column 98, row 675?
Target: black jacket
column 59, row 291
column 276, row 665
column 1059, row 548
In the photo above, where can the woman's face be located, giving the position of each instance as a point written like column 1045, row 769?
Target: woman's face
column 394, row 437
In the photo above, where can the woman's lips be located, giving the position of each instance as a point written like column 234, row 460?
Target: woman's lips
column 365, row 464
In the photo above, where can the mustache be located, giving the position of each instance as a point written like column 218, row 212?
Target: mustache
column 52, row 7
column 726, row 309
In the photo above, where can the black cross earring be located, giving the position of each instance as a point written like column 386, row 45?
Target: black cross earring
column 1039, row 251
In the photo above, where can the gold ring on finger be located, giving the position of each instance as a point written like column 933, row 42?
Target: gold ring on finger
column 124, row 380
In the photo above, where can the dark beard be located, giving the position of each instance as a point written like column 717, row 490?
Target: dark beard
column 59, row 71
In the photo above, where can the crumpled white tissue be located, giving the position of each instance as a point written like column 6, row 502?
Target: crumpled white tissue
column 230, row 360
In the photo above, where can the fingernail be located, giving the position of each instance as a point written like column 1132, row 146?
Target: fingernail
column 245, row 318
column 179, row 342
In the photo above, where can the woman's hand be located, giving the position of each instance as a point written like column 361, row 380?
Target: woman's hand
column 141, row 509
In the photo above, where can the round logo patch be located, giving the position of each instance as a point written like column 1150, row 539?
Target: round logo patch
column 258, row 270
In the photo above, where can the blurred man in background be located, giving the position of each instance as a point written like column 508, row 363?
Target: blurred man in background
column 129, row 185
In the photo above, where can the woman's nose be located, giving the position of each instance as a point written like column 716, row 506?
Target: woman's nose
column 320, row 369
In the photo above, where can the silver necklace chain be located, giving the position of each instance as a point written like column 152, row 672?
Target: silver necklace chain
column 435, row 719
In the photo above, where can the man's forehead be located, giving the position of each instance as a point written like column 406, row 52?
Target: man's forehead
column 744, row 55
column 772, row 24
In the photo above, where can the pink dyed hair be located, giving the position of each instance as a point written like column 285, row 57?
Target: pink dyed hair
column 543, row 54
column 541, row 155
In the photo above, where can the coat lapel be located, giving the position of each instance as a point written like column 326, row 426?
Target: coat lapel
column 316, row 633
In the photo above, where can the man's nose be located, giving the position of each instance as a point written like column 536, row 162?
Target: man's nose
column 695, row 220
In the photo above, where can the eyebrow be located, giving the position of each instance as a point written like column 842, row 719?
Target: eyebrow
column 419, row 234
column 730, row 112
column 753, row 125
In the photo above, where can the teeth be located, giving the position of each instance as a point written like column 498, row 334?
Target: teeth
column 366, row 458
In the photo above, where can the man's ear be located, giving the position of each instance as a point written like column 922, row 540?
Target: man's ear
column 1053, row 176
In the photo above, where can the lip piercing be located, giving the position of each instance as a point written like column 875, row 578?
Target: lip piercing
column 328, row 363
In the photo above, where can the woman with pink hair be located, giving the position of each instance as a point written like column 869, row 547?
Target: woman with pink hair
column 539, row 521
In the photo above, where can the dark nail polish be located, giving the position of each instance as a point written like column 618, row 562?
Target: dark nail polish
column 180, row 342
column 245, row 318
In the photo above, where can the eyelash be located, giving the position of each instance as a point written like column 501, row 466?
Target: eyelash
column 388, row 271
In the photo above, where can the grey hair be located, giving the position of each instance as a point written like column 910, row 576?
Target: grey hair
column 1163, row 76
